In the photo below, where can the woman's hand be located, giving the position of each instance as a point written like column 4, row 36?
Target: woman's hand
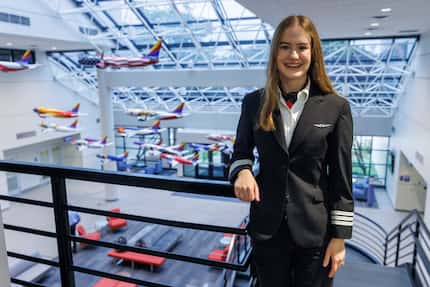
column 245, row 186
column 336, row 254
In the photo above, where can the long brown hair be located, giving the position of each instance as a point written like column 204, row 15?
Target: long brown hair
column 316, row 73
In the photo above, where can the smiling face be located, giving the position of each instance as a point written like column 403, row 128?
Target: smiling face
column 294, row 58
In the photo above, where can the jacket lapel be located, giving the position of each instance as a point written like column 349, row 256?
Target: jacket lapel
column 306, row 119
column 279, row 129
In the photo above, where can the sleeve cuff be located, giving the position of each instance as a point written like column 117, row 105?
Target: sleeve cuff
column 237, row 166
column 341, row 223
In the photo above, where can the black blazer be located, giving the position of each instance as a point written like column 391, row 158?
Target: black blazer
column 310, row 182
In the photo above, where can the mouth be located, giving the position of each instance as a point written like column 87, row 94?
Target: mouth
column 292, row 66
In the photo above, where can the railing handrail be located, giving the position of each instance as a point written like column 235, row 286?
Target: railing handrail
column 186, row 185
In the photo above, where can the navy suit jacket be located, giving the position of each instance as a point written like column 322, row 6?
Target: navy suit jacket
column 309, row 183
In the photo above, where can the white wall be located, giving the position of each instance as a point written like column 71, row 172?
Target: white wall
column 42, row 17
column 412, row 121
column 21, row 92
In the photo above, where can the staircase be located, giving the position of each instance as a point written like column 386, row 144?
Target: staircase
column 372, row 275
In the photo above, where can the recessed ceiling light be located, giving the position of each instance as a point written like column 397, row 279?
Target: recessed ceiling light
column 375, row 24
column 9, row 44
column 386, row 10
column 368, row 33
column 54, row 48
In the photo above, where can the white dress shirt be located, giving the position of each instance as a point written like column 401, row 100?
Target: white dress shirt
column 290, row 117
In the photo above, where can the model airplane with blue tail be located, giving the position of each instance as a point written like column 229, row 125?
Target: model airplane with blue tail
column 22, row 64
column 129, row 132
column 118, row 158
column 120, row 62
column 45, row 112
column 47, row 127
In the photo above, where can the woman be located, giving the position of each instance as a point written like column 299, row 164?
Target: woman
column 301, row 200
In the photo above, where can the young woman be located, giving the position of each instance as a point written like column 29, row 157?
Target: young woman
column 301, row 199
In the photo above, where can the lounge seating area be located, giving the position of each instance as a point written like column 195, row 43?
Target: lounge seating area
column 363, row 190
column 160, row 238
column 87, row 235
column 116, row 223
column 218, row 254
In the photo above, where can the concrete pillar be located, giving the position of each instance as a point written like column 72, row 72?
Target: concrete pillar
column 107, row 127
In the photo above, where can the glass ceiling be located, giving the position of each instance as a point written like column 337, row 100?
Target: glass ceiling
column 219, row 34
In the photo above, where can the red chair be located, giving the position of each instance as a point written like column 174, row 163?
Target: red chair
column 115, row 223
column 82, row 233
column 219, row 254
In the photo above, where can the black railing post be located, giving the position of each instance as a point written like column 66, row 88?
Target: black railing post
column 398, row 244
column 385, row 250
column 59, row 198
column 414, row 256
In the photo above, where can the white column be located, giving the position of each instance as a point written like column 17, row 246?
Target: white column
column 107, row 126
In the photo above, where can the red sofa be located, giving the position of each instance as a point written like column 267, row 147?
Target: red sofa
column 219, row 254
column 82, row 233
column 106, row 282
column 134, row 257
column 116, row 223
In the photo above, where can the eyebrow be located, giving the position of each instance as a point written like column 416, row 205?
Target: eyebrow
column 288, row 43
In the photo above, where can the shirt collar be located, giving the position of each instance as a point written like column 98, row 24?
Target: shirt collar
column 302, row 95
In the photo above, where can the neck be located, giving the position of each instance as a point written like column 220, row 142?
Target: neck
column 289, row 86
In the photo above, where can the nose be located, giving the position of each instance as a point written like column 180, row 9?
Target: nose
column 294, row 54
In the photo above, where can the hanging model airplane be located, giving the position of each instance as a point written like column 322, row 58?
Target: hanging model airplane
column 208, row 147
column 45, row 112
column 129, row 132
column 120, row 62
column 177, row 150
column 221, row 138
column 145, row 114
column 179, row 159
column 22, row 64
column 110, row 157
column 82, row 144
column 48, row 127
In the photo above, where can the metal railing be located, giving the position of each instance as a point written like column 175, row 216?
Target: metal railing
column 407, row 244
column 61, row 207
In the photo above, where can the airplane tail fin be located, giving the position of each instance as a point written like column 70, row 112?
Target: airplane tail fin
column 195, row 157
column 25, row 59
column 181, row 146
column 104, row 140
column 74, row 124
column 156, row 125
column 75, row 108
column 179, row 108
column 155, row 50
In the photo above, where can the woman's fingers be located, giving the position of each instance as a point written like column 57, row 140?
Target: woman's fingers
column 247, row 193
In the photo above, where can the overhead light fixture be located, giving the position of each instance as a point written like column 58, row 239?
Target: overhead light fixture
column 9, row 44
column 54, row 48
column 375, row 24
column 368, row 33
column 386, row 10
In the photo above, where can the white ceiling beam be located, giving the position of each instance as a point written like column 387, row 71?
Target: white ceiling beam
column 187, row 78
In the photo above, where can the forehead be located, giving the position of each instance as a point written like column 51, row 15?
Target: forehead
column 295, row 34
